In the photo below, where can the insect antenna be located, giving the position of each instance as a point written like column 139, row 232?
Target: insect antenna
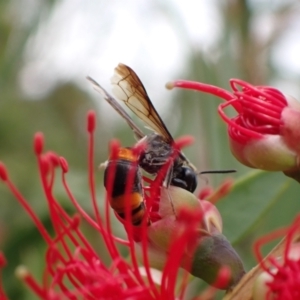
column 214, row 172
column 217, row 171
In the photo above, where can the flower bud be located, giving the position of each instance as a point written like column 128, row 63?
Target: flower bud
column 203, row 250
column 212, row 254
column 265, row 132
column 212, row 217
column 260, row 287
column 172, row 201
column 269, row 153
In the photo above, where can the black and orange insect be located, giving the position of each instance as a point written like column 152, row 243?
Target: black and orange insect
column 125, row 166
column 159, row 144
column 159, row 148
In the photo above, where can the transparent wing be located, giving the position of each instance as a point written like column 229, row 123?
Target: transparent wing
column 128, row 88
column 114, row 103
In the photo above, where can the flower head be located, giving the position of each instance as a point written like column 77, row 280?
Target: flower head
column 73, row 269
column 265, row 131
column 177, row 231
column 280, row 279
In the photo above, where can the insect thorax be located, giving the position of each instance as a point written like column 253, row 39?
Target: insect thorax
column 156, row 153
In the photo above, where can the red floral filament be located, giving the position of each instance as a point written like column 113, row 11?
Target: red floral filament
column 259, row 108
column 70, row 257
column 285, row 283
column 73, row 268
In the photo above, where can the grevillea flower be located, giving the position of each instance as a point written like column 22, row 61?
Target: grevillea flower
column 265, row 132
column 183, row 233
column 280, row 279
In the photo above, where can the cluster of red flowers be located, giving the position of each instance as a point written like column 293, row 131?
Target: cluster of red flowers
column 73, row 269
column 185, row 232
column 264, row 135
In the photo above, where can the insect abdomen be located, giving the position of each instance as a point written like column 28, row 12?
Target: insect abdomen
column 124, row 168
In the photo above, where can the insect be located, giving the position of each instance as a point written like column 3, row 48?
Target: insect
column 159, row 145
column 124, row 166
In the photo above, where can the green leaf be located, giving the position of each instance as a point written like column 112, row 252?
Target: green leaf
column 259, row 203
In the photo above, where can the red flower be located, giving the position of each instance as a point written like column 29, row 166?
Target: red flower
column 281, row 277
column 189, row 239
column 265, row 132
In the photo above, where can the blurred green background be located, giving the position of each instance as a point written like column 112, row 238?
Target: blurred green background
column 47, row 48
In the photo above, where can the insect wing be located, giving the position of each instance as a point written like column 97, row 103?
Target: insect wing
column 128, row 88
column 114, row 103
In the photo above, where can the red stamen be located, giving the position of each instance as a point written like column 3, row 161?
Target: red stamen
column 204, row 193
column 222, row 191
column 24, row 275
column 206, row 88
column 252, row 124
column 183, row 142
column 272, row 236
column 29, row 211
column 248, row 133
column 53, row 158
column 203, row 87
column 91, row 121
column 247, row 99
column 91, row 179
column 114, row 147
column 49, row 162
column 184, row 241
column 148, row 180
column 292, row 231
column 145, row 246
column 109, row 241
column 271, row 121
column 273, row 95
column 64, row 164
column 38, row 143
column 3, row 172
column 251, row 103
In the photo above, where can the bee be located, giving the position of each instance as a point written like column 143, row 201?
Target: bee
column 159, row 145
column 124, row 166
